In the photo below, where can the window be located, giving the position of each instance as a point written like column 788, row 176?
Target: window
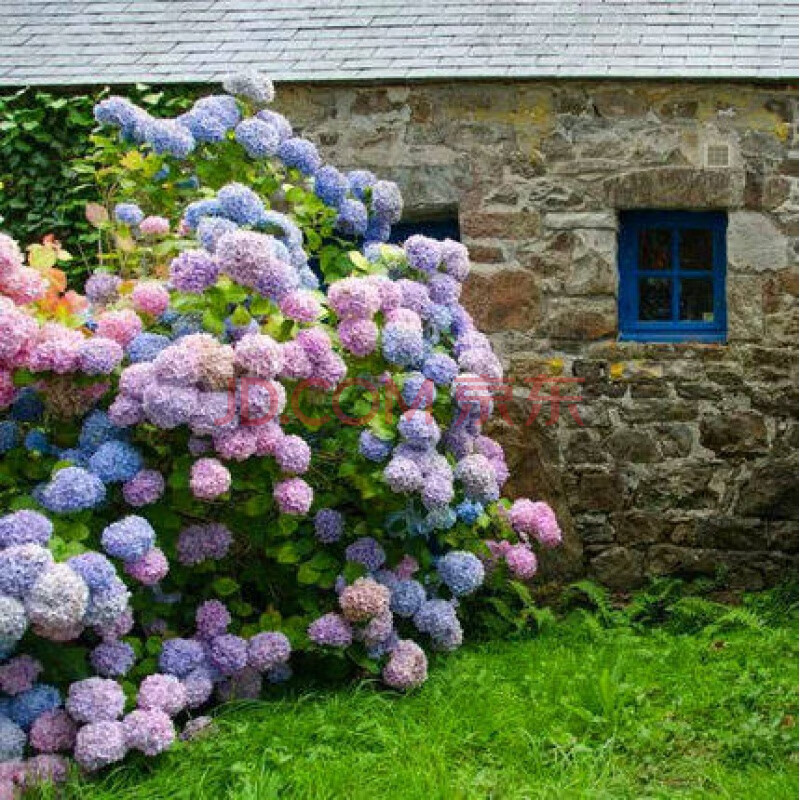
column 672, row 276
column 437, row 228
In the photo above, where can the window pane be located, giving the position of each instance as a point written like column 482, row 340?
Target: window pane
column 655, row 299
column 697, row 299
column 654, row 249
column 695, row 249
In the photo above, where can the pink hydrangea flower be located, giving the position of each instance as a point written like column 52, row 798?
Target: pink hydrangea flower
column 121, row 326
column 293, row 496
column 154, row 226
column 209, row 479
column 150, row 297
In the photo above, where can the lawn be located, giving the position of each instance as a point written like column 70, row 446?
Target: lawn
column 702, row 704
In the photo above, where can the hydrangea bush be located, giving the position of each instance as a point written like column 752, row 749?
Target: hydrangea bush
column 256, row 446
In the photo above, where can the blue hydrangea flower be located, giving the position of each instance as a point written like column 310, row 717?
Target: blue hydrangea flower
column 289, row 232
column 372, row 447
column 258, row 138
column 278, row 121
column 168, row 137
column 72, row 489
column 240, row 204
column 36, row 442
column 360, row 180
column 80, row 458
column 9, row 435
column 417, row 391
column 128, row 213
column 330, row 186
column 210, row 229
column 116, row 462
column 469, row 511
column 419, row 428
column 437, row 618
column 441, row 519
column 440, row 368
column 27, row 707
column 462, row 572
column 352, row 219
column 98, row 573
column 300, row 154
column 222, row 106
column 378, row 230
column 12, row 740
column 204, row 127
column 146, row 346
column 201, row 208
column 402, row 346
column 128, row 539
column 179, row 657
column 98, row 429
column 366, row 551
column 407, row 597
column 28, row 406
column 387, row 201
column 187, row 324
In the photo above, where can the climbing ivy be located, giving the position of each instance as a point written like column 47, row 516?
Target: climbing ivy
column 43, row 134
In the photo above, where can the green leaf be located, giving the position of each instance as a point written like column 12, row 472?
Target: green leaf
column 225, row 587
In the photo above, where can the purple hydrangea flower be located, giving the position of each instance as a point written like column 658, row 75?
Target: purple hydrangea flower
column 112, row 659
column 228, row 653
column 99, row 744
column 366, row 551
column 212, row 619
column 162, row 692
column 267, row 650
column 328, row 525
column 193, row 271
column 331, row 630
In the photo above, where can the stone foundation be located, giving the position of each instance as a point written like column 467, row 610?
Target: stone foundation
column 686, row 461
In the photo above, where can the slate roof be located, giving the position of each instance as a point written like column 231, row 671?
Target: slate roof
column 108, row 41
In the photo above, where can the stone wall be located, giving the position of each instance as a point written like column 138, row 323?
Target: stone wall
column 687, row 459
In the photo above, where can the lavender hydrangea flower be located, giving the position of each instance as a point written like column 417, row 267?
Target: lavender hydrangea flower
column 129, row 538
column 387, row 202
column 143, row 488
column 58, row 600
column 212, row 619
column 403, row 476
column 99, row 744
column 407, row 667
column 72, row 489
column 53, row 731
column 24, row 527
column 419, row 428
column 437, row 618
column 228, row 653
column 21, row 566
column 102, row 288
column 95, row 700
column 372, row 447
column 162, row 692
column 148, row 730
column 402, row 346
column 211, row 229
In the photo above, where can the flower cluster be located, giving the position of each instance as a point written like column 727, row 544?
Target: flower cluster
column 198, row 399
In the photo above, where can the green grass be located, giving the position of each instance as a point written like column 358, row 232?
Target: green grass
column 582, row 711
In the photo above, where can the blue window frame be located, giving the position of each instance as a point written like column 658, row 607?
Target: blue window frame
column 672, row 276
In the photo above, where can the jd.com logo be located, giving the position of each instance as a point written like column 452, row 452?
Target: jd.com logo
column 477, row 398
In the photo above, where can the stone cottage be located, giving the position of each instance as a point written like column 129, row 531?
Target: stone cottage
column 625, row 176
